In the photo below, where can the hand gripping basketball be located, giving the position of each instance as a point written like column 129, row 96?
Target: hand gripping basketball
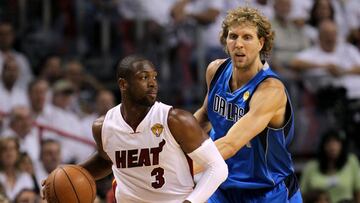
column 69, row 183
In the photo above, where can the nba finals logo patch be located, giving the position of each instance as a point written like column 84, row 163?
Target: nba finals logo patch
column 246, row 95
column 157, row 129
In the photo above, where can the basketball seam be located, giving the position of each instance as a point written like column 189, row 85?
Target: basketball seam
column 77, row 197
column 57, row 199
column 92, row 193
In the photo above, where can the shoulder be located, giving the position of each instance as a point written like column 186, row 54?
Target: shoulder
column 181, row 120
column 353, row 159
column 212, row 68
column 272, row 83
column 97, row 127
column 311, row 166
column 179, row 117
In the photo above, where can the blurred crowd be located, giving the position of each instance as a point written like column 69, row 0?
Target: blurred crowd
column 57, row 74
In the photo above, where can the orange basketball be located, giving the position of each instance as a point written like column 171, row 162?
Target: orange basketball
column 70, row 184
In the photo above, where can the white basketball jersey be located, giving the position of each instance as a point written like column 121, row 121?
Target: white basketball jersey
column 148, row 164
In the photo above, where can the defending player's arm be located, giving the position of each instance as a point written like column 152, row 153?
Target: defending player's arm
column 99, row 164
column 201, row 114
column 201, row 149
column 266, row 108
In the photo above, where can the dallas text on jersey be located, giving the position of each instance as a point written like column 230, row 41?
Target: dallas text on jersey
column 230, row 111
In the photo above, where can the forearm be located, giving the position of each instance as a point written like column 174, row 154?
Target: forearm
column 303, row 65
column 97, row 166
column 215, row 172
column 226, row 151
column 204, row 18
column 354, row 70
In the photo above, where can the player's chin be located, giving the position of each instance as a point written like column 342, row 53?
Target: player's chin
column 152, row 97
column 150, row 100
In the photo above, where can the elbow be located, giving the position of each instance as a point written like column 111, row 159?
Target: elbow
column 224, row 171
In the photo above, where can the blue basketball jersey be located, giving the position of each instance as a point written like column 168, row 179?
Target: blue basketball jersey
column 265, row 161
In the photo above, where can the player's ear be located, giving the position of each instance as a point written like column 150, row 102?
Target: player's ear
column 122, row 84
column 262, row 42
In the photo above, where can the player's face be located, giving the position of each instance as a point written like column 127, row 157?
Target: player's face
column 143, row 86
column 243, row 45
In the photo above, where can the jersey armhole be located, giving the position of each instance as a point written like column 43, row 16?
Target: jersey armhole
column 218, row 72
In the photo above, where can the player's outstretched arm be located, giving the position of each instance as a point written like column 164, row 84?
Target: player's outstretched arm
column 201, row 149
column 267, row 108
column 99, row 164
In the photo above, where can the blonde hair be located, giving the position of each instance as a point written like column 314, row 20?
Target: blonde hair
column 249, row 16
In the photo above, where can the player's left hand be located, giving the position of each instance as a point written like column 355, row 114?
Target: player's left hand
column 43, row 188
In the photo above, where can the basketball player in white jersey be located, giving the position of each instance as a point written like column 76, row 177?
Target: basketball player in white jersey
column 145, row 142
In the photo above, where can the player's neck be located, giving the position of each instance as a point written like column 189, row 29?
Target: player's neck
column 133, row 114
column 241, row 76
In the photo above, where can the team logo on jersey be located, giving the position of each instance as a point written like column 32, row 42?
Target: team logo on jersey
column 157, row 129
column 246, row 95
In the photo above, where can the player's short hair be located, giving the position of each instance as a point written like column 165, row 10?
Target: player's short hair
column 249, row 16
column 124, row 67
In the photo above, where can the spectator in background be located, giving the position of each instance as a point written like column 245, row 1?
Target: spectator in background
column 26, row 165
column 289, row 40
column 264, row 6
column 206, row 15
column 328, row 63
column 63, row 94
column 321, row 10
column 199, row 21
column 11, row 177
column 347, row 15
column 49, row 116
column 331, row 62
column 316, row 196
column 37, row 93
column 84, row 84
column 335, row 170
column 27, row 196
column 51, row 68
column 21, row 126
column 105, row 100
column 7, row 37
column 50, row 158
column 10, row 94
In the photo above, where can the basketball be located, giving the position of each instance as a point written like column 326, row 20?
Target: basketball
column 70, row 184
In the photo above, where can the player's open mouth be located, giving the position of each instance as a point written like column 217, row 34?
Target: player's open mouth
column 240, row 55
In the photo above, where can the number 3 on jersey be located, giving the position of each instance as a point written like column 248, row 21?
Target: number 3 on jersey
column 159, row 177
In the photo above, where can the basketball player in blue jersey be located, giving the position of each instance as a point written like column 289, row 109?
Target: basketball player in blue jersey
column 249, row 114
